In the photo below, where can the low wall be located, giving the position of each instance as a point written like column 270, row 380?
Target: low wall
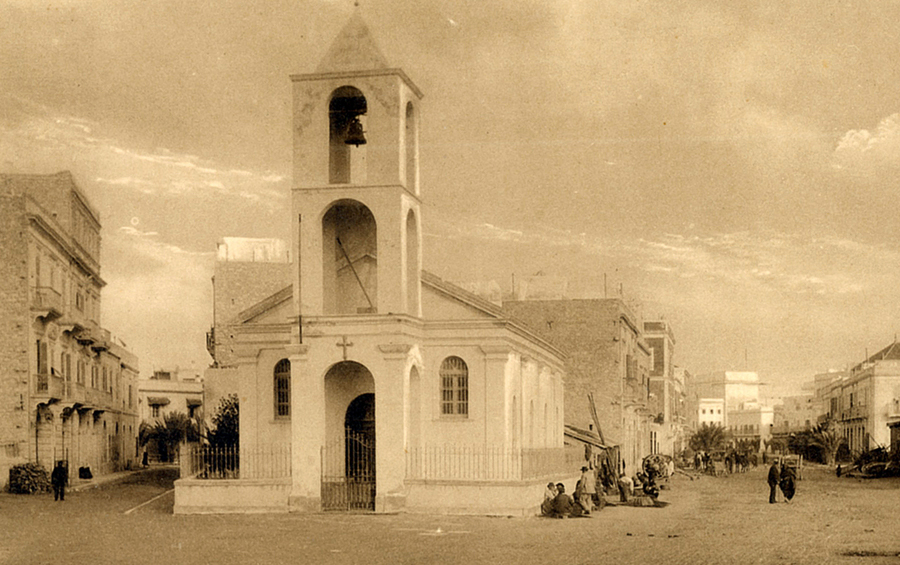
column 224, row 496
column 484, row 498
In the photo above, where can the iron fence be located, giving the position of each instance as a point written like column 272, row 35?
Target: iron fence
column 485, row 463
column 212, row 462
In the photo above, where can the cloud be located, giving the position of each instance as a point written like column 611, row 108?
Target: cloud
column 29, row 130
column 869, row 152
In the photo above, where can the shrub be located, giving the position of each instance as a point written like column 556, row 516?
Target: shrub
column 28, row 478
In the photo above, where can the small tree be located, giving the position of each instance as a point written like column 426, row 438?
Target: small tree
column 226, row 423
column 708, row 437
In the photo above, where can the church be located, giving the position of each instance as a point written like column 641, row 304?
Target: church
column 366, row 383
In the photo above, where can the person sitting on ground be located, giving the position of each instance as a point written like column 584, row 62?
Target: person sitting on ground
column 649, row 487
column 547, row 504
column 562, row 503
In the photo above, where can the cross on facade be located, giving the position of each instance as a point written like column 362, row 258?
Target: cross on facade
column 345, row 344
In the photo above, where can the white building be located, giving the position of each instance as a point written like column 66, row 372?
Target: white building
column 388, row 388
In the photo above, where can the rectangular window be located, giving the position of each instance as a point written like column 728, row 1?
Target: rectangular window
column 42, row 358
column 154, row 410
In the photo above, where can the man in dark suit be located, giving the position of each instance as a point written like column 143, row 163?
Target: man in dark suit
column 774, row 476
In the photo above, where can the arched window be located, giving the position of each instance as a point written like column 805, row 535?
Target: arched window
column 282, row 389
column 454, row 387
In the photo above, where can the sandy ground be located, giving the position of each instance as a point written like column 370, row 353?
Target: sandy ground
column 709, row 520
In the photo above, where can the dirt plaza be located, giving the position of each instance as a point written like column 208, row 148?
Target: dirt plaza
column 708, row 520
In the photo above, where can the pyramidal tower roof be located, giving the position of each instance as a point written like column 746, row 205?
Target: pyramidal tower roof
column 353, row 50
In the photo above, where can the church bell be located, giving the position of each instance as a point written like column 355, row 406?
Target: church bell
column 355, row 133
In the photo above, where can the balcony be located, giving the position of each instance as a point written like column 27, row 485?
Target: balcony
column 47, row 302
column 49, row 388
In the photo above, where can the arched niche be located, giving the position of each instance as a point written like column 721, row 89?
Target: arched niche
column 412, row 149
column 412, row 264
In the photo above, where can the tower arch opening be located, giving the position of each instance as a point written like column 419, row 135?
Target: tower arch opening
column 349, row 259
column 347, row 144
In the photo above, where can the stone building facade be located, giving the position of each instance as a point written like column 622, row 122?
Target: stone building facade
column 68, row 389
column 606, row 357
column 667, row 393
column 865, row 401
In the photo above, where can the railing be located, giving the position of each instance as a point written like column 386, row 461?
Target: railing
column 482, row 463
column 210, row 462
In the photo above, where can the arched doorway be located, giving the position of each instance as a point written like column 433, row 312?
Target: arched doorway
column 359, row 439
column 348, row 457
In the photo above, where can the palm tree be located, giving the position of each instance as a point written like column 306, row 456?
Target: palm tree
column 167, row 434
column 829, row 442
column 708, row 437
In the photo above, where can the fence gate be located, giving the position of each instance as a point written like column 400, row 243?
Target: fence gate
column 348, row 472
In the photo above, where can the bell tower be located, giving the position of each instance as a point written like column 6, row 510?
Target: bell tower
column 355, row 196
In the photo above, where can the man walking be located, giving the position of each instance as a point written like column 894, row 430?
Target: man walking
column 774, row 476
column 58, row 479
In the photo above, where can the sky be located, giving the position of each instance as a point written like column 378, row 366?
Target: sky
column 731, row 167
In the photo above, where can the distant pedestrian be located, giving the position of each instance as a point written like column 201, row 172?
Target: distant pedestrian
column 626, row 487
column 773, row 479
column 788, row 487
column 58, row 479
column 588, row 489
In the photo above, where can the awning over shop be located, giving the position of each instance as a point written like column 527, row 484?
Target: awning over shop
column 157, row 400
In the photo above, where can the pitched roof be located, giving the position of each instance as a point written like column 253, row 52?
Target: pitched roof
column 353, row 49
column 891, row 352
column 463, row 295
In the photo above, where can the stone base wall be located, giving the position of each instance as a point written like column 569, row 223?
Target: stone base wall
column 487, row 498
column 247, row 496
column 480, row 498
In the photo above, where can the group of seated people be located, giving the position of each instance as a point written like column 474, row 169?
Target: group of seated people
column 558, row 504
column 640, row 490
column 643, row 484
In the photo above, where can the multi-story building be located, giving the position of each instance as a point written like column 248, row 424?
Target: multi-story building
column 667, row 395
column 795, row 413
column 711, row 411
column 731, row 399
column 171, row 390
column 866, row 400
column 608, row 358
column 67, row 387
